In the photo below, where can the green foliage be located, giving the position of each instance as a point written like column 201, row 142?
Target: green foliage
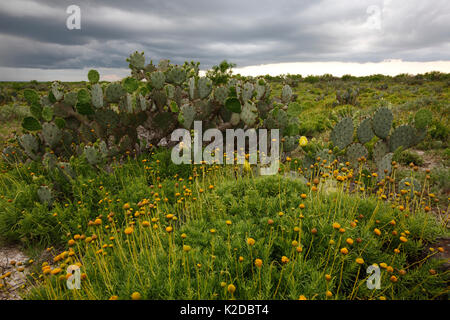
column 220, row 74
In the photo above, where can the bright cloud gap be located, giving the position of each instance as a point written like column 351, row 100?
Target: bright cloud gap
column 338, row 69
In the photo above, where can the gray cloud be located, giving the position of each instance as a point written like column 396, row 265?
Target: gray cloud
column 33, row 32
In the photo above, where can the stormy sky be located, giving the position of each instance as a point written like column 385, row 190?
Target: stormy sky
column 34, row 35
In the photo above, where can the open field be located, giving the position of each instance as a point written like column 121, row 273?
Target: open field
column 364, row 179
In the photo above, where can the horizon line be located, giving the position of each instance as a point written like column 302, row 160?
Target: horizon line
column 391, row 67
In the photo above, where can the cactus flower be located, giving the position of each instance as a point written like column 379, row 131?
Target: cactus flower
column 303, row 141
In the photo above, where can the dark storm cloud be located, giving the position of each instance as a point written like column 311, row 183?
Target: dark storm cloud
column 33, row 32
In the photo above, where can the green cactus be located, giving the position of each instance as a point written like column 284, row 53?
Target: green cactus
column 260, row 88
column 192, row 88
column 49, row 160
column 57, row 90
column 249, row 114
column 247, row 91
column 142, row 103
column 114, row 92
column 356, row 151
column 384, row 166
column 127, row 104
column 349, row 96
column 290, row 143
column 379, row 150
column 31, row 96
column 170, row 91
column 277, row 119
column 45, row 195
column 286, row 94
column 402, row 136
column 187, row 115
column 176, row 75
column 47, row 113
column 97, row 95
column 382, row 122
column 30, row 144
column 137, row 60
column 235, row 118
column 157, row 79
column 419, row 136
column 52, row 134
column 31, row 124
column 163, row 65
column 365, row 132
column 220, row 94
column 204, row 87
column 130, row 84
column 159, row 97
column 92, row 155
column 93, row 76
column 342, row 134
column 263, row 108
column 71, row 98
column 233, row 104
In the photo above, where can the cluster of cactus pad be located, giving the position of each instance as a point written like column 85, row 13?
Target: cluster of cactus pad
column 389, row 140
column 105, row 120
column 348, row 96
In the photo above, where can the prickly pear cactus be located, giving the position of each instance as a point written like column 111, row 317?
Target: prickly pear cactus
column 92, row 155
column 382, row 122
column 221, row 94
column 97, row 95
column 57, row 90
column 290, row 143
column 137, row 60
column 260, row 88
column 286, row 94
column 52, row 134
column 191, row 88
column 342, row 134
column 235, row 119
column 249, row 114
column 151, row 102
column 93, row 76
column 114, row 92
column 385, row 166
column 176, row 75
column 204, row 87
column 70, row 98
column 157, row 79
column 277, row 119
column 365, row 132
column 379, row 150
column 187, row 116
column 30, row 144
column 45, row 195
column 355, row 152
column 247, row 92
column 402, row 137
